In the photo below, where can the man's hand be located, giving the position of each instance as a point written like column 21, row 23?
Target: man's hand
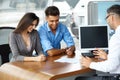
column 68, row 51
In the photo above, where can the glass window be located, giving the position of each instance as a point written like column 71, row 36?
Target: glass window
column 100, row 8
column 11, row 11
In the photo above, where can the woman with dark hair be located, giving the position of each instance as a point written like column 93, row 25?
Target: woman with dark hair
column 25, row 39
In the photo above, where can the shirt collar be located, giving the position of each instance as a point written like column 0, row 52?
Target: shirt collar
column 48, row 28
column 118, row 29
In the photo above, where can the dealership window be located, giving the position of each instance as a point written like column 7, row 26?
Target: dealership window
column 11, row 11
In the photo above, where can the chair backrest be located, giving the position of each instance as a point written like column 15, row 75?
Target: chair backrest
column 4, row 45
column 4, row 34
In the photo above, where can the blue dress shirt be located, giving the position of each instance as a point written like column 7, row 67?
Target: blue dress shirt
column 50, row 40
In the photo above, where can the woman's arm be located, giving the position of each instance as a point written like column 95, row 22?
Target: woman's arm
column 15, row 51
column 14, row 48
column 37, row 58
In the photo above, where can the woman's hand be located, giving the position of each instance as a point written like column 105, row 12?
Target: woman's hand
column 100, row 54
column 41, row 57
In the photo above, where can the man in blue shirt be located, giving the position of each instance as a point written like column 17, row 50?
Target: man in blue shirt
column 53, row 32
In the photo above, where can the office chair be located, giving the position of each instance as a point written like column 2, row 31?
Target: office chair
column 4, row 46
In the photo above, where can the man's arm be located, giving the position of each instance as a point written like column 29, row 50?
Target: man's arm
column 53, row 52
column 68, row 51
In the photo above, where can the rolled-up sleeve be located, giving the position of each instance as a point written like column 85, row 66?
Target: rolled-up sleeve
column 67, row 37
column 46, row 44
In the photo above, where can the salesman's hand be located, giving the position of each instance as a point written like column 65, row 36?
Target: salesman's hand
column 100, row 54
column 85, row 61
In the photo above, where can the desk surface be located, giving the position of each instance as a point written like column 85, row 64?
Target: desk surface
column 55, row 67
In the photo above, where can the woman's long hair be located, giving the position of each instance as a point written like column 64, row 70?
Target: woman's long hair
column 26, row 21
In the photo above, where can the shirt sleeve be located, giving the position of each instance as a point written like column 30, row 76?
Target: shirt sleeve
column 46, row 44
column 112, row 64
column 68, row 38
column 14, row 48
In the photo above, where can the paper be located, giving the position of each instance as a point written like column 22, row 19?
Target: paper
column 65, row 59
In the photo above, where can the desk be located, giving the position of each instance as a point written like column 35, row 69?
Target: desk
column 52, row 69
